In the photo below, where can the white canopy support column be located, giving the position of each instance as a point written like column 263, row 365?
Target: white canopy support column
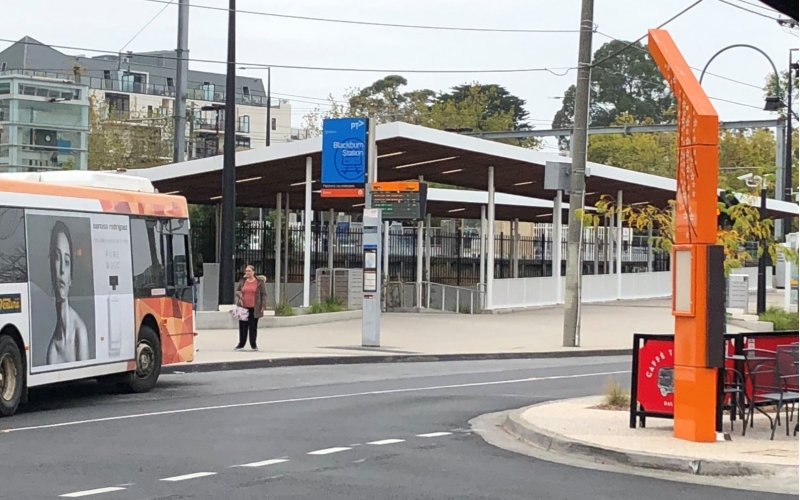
column 307, row 239
column 278, row 232
column 515, row 248
column 490, row 244
column 650, row 263
column 619, row 244
column 428, row 249
column 482, row 279
column 420, row 242
column 555, row 253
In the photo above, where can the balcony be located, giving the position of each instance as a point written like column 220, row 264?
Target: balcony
column 210, row 124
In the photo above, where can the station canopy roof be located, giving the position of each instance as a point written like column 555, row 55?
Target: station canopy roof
column 406, row 152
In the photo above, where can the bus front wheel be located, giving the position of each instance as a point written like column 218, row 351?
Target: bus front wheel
column 11, row 376
column 148, row 362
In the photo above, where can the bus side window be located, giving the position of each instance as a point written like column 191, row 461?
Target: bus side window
column 13, row 252
column 148, row 267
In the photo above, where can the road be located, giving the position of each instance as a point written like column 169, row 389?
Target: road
column 385, row 431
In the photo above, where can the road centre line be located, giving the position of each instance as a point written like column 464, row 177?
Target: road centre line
column 386, row 441
column 186, row 477
column 98, row 491
column 265, row 463
column 328, row 451
column 311, row 398
column 434, row 434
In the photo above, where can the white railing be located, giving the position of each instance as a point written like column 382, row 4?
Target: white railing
column 436, row 296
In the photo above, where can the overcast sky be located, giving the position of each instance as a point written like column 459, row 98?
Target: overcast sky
column 107, row 25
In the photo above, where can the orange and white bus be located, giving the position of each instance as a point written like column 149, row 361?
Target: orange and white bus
column 95, row 281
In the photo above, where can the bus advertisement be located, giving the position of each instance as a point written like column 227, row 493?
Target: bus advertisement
column 95, row 282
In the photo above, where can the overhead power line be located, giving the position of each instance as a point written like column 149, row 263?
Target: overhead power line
column 376, row 23
column 623, row 49
column 146, row 25
column 555, row 71
column 708, row 73
column 737, row 6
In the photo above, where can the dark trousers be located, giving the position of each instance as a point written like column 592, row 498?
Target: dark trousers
column 250, row 326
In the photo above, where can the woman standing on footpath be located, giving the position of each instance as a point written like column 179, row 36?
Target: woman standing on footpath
column 251, row 294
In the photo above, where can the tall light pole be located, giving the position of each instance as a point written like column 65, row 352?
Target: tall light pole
column 788, row 156
column 771, row 103
column 228, row 211
column 181, row 74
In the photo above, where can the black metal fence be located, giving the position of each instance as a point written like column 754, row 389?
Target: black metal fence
column 454, row 257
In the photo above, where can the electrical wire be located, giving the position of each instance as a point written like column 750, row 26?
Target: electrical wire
column 623, row 49
column 555, row 71
column 374, row 23
column 146, row 25
column 758, row 6
column 726, row 2
column 708, row 73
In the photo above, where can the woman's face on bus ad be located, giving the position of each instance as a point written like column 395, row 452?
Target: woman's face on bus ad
column 61, row 267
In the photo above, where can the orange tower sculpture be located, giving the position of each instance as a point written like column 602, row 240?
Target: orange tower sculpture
column 696, row 268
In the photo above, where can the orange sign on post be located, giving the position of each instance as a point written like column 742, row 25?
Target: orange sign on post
column 695, row 378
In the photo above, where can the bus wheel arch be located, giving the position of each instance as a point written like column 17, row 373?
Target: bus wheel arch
column 148, row 358
column 13, row 363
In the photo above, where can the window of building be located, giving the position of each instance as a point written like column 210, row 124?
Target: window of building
column 4, row 110
column 5, row 88
column 54, row 114
column 118, row 103
column 3, row 66
column 243, row 142
column 13, row 254
column 246, row 90
column 134, row 82
column 244, row 124
column 148, row 267
column 274, row 124
column 208, row 91
column 170, row 82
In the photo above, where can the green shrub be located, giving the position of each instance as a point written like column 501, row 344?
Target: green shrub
column 329, row 305
column 780, row 319
column 615, row 396
column 284, row 309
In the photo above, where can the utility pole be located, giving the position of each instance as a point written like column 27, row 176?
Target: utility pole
column 269, row 106
column 228, row 218
column 572, row 298
column 181, row 75
column 787, row 164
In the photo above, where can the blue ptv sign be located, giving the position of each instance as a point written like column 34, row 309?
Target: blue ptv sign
column 344, row 152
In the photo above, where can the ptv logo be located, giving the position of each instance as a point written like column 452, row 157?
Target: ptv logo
column 357, row 125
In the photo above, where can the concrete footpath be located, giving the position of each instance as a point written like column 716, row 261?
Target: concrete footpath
column 578, row 427
column 606, row 329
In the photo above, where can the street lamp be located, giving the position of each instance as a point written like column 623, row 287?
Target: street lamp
column 771, row 103
column 757, row 181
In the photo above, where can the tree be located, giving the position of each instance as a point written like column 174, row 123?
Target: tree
column 650, row 153
column 121, row 140
column 469, row 106
column 746, row 227
column 629, row 83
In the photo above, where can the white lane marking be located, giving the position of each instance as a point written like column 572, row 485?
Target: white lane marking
column 189, row 476
column 328, row 451
column 87, row 493
column 434, row 434
column 387, row 441
column 311, row 398
column 273, row 461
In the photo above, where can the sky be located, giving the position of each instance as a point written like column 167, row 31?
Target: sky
column 108, row 25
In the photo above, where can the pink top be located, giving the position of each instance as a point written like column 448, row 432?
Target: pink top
column 249, row 290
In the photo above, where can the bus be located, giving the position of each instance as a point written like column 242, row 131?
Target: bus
column 95, row 281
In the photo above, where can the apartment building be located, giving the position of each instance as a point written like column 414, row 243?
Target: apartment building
column 44, row 124
column 141, row 86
